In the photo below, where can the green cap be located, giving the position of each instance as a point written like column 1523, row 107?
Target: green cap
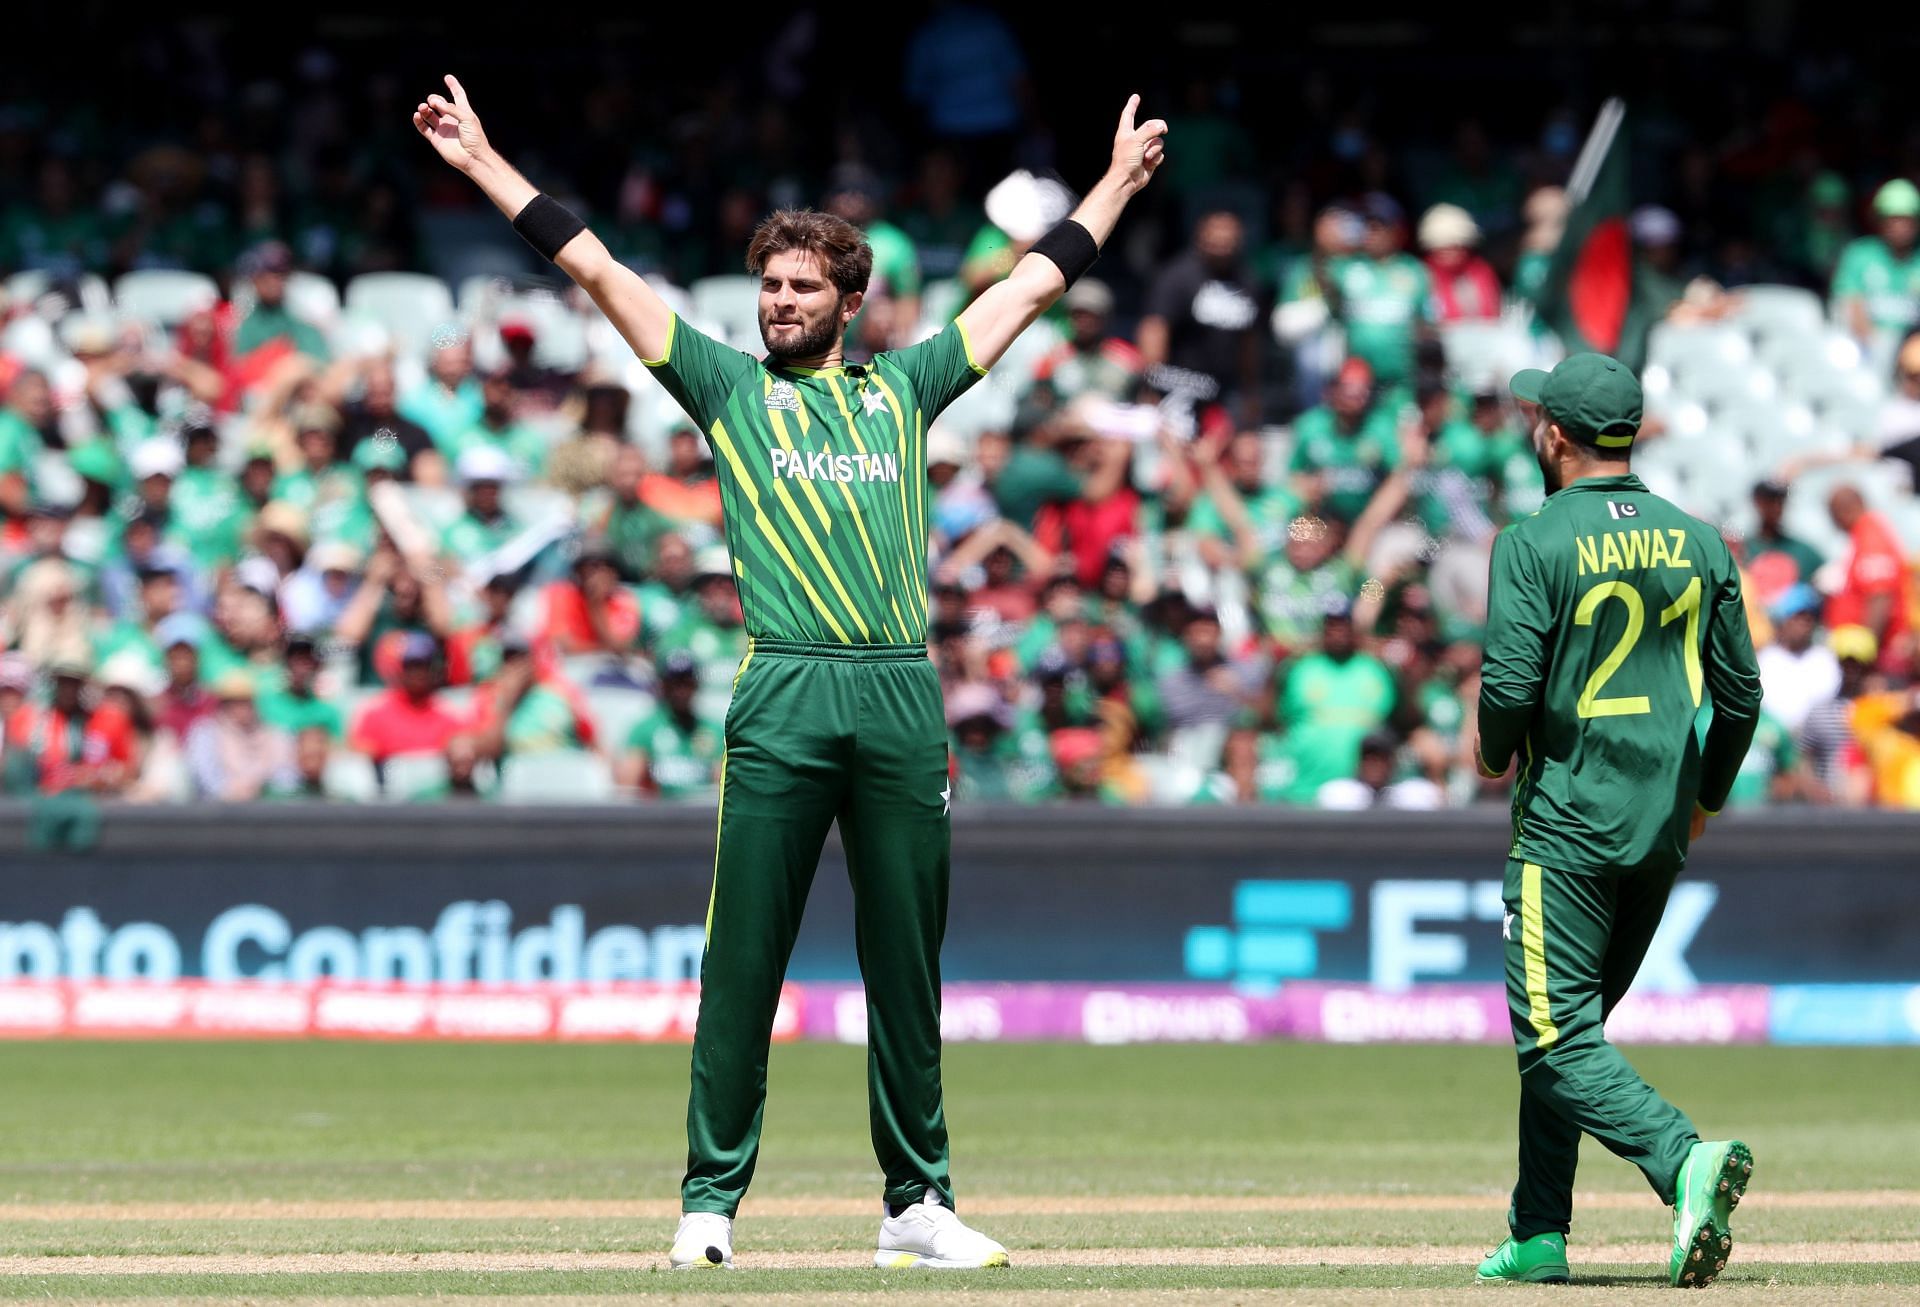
column 1899, row 198
column 1596, row 400
column 379, row 454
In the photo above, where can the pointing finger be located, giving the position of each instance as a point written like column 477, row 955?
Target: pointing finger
column 1126, row 114
column 459, row 91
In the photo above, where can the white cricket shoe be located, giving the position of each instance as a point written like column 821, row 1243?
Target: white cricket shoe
column 703, row 1241
column 929, row 1234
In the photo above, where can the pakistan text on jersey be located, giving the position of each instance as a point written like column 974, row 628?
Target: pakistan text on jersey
column 824, row 465
column 1623, row 551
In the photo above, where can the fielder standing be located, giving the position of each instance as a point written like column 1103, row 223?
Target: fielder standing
column 836, row 712
column 1613, row 620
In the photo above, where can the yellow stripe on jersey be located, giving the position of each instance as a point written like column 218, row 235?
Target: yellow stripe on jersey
column 666, row 350
column 909, row 470
column 780, row 434
column 846, row 492
column 1533, row 944
column 966, row 343
column 724, row 443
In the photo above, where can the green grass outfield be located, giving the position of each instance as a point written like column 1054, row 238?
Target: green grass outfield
column 1284, row 1171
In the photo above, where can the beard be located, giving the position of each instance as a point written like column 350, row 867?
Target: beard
column 1548, row 471
column 814, row 338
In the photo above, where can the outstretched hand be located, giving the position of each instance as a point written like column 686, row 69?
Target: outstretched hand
column 451, row 126
column 1138, row 151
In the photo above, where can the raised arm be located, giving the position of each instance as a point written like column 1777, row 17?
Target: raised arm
column 1003, row 311
column 453, row 129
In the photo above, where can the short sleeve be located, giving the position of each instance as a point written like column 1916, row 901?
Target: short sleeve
column 939, row 369
column 1847, row 277
column 699, row 372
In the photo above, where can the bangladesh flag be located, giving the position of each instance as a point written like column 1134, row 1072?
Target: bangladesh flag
column 1590, row 295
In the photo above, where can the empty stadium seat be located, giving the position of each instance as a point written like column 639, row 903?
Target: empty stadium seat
column 410, row 305
column 350, row 778
column 941, row 302
column 559, row 776
column 1483, row 353
column 310, row 297
column 1683, row 350
column 1780, row 310
column 732, row 304
column 411, row 776
column 615, row 711
column 25, row 287
column 164, row 295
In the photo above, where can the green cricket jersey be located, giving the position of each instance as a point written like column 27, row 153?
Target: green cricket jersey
column 823, row 480
column 1612, row 619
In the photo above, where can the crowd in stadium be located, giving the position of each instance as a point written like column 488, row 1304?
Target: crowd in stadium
column 314, row 487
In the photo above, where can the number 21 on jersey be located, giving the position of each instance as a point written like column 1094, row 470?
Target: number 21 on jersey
column 1592, row 703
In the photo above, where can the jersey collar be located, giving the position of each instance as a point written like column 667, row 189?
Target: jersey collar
column 1627, row 482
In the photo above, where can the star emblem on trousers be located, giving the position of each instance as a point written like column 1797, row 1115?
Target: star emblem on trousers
column 1506, row 925
column 873, row 400
column 946, row 799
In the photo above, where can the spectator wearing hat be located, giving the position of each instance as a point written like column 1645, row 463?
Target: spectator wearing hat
column 1776, row 561
column 529, row 707
column 1091, row 361
column 1385, row 294
column 1327, row 702
column 154, row 465
column 1465, row 287
column 1373, row 785
column 183, row 701
column 1200, row 336
column 47, row 613
column 448, row 401
column 296, row 705
column 993, row 763
column 485, row 525
column 1820, row 232
column 1875, row 590
column 409, row 717
column 673, row 752
column 591, row 612
column 1876, row 286
column 712, row 628
column 1827, row 737
column 332, row 494
column 206, row 511
column 1209, row 687
column 375, row 421
column 536, row 387
column 1344, row 448
column 271, row 322
column 232, row 755
column 499, row 427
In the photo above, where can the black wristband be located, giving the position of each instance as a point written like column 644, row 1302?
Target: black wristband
column 1071, row 247
column 547, row 225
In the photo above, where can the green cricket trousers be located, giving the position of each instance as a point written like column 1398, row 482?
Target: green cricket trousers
column 818, row 733
column 1573, row 943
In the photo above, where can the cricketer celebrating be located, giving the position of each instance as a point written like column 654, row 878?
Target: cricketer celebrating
column 1613, row 620
column 836, row 711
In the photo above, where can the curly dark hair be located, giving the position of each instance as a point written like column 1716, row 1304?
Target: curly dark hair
column 837, row 243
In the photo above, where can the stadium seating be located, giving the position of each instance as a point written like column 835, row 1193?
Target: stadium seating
column 309, row 296
column 350, row 778
column 410, row 305
column 163, row 296
column 557, row 776
column 411, row 776
column 615, row 711
column 25, row 287
column 732, row 304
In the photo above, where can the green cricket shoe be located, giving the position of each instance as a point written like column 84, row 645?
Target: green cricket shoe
column 1712, row 1182
column 1539, row 1260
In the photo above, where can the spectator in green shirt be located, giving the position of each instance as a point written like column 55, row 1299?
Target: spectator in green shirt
column 1776, row 561
column 1876, row 287
column 448, row 402
column 1385, row 294
column 486, row 524
column 499, row 427
column 332, row 494
column 1344, row 447
column 1773, row 770
column 1328, row 702
column 25, row 423
column 892, row 308
column 1240, row 517
column 673, row 752
column 209, row 514
column 993, row 763
column 267, row 266
column 295, row 705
